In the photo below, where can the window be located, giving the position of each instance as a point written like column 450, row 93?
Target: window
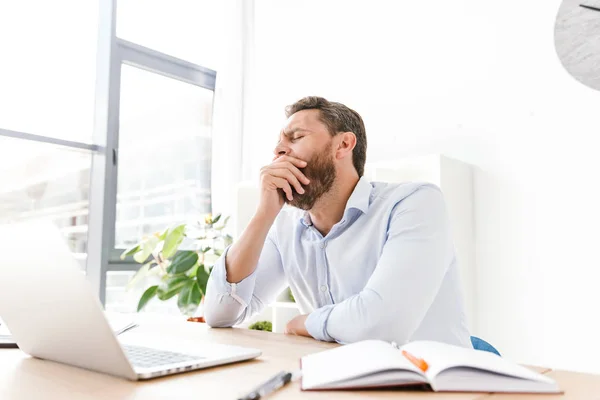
column 164, row 125
column 165, row 132
column 143, row 161
column 48, row 68
column 47, row 78
column 42, row 181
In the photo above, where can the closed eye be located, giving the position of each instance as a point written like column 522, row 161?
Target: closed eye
column 297, row 138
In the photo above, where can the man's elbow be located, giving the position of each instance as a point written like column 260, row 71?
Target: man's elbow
column 223, row 315
column 214, row 323
column 216, row 315
column 214, row 320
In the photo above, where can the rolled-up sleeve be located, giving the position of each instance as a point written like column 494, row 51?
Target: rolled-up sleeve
column 227, row 304
column 316, row 323
column 405, row 282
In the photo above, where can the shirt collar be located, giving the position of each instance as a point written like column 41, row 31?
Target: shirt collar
column 361, row 195
column 359, row 199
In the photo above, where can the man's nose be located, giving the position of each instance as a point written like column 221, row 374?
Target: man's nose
column 281, row 150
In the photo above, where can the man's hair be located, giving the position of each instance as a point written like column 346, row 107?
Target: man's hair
column 338, row 118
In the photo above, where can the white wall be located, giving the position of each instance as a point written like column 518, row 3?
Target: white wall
column 480, row 82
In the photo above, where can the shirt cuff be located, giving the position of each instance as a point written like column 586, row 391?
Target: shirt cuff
column 316, row 323
column 241, row 291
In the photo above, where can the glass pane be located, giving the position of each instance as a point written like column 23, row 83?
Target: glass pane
column 164, row 154
column 193, row 30
column 42, row 181
column 118, row 298
column 48, row 68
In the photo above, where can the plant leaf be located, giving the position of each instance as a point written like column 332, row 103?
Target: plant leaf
column 148, row 294
column 183, row 262
column 216, row 219
column 139, row 274
column 173, row 240
column 221, row 227
column 202, row 278
column 192, row 272
column 173, row 286
column 147, row 249
column 189, row 298
column 205, row 249
column 132, row 250
column 185, row 296
column 227, row 240
column 163, row 235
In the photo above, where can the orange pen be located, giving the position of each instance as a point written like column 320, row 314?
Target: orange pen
column 418, row 362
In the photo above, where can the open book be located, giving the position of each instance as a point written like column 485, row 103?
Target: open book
column 444, row 367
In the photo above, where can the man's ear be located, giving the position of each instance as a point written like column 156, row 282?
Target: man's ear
column 347, row 142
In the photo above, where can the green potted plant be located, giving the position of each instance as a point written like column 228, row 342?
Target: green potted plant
column 262, row 326
column 179, row 272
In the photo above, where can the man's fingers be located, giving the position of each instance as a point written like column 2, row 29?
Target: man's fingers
column 288, row 330
column 291, row 167
column 284, row 173
column 284, row 185
column 296, row 161
column 290, row 177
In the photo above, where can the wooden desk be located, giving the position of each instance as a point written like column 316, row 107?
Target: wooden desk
column 25, row 378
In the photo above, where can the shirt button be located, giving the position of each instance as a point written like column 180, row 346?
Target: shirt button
column 323, row 245
column 323, row 288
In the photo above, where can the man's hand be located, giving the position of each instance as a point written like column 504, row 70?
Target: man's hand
column 283, row 173
column 297, row 326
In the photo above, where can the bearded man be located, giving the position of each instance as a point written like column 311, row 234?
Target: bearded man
column 364, row 260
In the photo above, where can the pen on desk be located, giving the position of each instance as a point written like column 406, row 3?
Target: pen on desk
column 269, row 386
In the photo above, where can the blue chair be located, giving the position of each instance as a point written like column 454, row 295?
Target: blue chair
column 480, row 344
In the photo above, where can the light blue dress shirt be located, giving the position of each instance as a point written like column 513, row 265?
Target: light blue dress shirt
column 387, row 270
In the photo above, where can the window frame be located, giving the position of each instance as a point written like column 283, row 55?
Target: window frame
column 113, row 52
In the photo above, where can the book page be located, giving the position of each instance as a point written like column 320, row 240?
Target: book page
column 441, row 356
column 353, row 361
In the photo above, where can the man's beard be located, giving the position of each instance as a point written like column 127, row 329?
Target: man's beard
column 320, row 170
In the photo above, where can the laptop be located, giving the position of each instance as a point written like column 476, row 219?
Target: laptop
column 53, row 314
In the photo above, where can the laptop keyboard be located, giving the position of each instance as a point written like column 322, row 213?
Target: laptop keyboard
column 145, row 357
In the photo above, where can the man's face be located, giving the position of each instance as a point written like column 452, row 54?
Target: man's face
column 305, row 137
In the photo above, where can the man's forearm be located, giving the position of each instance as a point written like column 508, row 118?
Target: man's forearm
column 243, row 256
